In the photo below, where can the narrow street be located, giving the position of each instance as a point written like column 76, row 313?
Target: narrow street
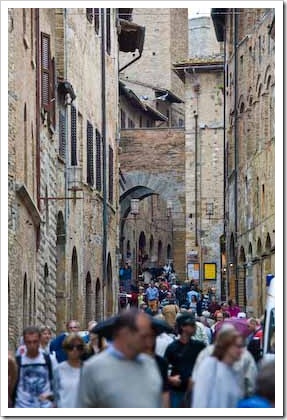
column 141, row 207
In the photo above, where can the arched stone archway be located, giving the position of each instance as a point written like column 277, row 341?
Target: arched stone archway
column 62, row 310
column 109, row 287
column 88, row 299
column 25, row 305
column 241, row 288
column 98, row 311
column 74, row 290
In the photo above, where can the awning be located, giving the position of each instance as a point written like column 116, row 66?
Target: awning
column 167, row 95
column 131, row 96
column 218, row 18
column 155, row 114
column 131, row 36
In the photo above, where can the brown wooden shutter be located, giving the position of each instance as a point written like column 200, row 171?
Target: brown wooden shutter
column 52, row 93
column 73, row 136
column 98, row 161
column 45, row 71
column 90, row 154
column 111, row 175
column 62, row 135
column 97, row 20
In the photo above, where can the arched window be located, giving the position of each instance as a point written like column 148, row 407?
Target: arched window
column 88, row 299
column 98, row 301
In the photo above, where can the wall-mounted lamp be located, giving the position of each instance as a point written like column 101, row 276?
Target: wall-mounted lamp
column 135, row 206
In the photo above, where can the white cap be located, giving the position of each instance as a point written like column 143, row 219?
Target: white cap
column 241, row 315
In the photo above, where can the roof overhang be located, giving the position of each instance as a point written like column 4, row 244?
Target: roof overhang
column 131, row 96
column 131, row 36
column 199, row 66
column 218, row 18
column 155, row 114
column 169, row 96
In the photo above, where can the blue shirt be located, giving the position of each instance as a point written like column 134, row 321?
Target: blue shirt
column 152, row 293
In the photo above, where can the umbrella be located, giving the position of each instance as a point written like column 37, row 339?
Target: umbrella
column 239, row 323
column 105, row 328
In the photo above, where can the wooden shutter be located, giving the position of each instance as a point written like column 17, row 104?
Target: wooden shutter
column 111, row 175
column 90, row 154
column 89, row 14
column 45, row 71
column 97, row 20
column 98, row 161
column 73, row 136
column 108, row 30
column 52, row 93
column 62, row 135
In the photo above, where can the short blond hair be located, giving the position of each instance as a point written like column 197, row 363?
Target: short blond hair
column 71, row 338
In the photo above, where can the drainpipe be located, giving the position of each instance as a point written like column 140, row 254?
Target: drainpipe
column 38, row 110
column 66, row 105
column 131, row 62
column 225, row 166
column 235, row 19
column 195, row 182
column 104, row 134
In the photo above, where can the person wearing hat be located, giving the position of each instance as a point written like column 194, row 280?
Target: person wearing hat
column 181, row 355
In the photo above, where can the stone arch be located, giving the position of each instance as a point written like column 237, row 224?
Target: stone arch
column 109, row 287
column 25, row 304
column 88, row 298
column 168, row 252
column 257, row 82
column 141, row 184
column 74, row 290
column 159, row 253
column 268, row 243
column 250, row 251
column 98, row 311
column 268, row 74
column 60, row 272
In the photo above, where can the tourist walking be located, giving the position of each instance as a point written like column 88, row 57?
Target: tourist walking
column 215, row 383
column 67, row 373
column 105, row 377
column 181, row 355
column 152, row 296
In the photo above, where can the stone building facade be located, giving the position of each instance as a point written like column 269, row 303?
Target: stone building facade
column 152, row 140
column 250, row 146
column 202, row 73
column 150, row 77
column 63, row 166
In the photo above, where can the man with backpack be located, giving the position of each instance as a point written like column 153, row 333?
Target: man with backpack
column 33, row 387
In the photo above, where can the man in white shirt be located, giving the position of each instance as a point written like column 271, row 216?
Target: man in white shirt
column 34, row 389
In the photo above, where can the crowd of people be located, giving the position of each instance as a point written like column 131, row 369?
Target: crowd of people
column 176, row 346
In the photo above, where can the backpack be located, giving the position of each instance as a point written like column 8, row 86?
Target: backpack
column 18, row 359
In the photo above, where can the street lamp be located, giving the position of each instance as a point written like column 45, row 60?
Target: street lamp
column 135, row 212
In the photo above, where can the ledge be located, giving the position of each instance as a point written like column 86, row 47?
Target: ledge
column 28, row 202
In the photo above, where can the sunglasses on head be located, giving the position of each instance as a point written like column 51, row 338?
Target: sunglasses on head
column 75, row 346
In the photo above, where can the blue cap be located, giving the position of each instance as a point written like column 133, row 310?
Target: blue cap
column 269, row 277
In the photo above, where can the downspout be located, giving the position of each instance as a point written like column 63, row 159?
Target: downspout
column 225, row 157
column 195, row 174
column 104, row 133
column 38, row 110
column 235, row 141
column 66, row 123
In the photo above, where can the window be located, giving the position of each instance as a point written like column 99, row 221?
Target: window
column 180, row 122
column 73, row 136
column 130, row 123
column 89, row 15
column 111, row 174
column 98, row 161
column 90, row 154
column 62, row 135
column 123, row 119
column 97, row 20
column 108, row 31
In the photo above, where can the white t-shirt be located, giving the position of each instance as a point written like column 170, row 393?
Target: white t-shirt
column 66, row 382
column 33, row 381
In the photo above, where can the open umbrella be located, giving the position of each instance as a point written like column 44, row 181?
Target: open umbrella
column 160, row 326
column 239, row 323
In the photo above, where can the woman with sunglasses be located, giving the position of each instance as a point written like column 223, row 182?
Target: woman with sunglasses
column 216, row 383
column 67, row 373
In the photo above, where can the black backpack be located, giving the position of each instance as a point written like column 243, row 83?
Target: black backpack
column 48, row 362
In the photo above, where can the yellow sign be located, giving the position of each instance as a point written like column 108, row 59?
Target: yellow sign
column 209, row 271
